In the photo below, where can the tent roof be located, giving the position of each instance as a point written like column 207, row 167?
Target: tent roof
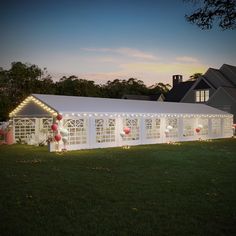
column 73, row 104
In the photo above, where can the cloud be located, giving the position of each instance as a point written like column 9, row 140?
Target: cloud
column 162, row 68
column 150, row 73
column 187, row 59
column 128, row 52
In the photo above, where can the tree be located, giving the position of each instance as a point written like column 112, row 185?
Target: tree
column 23, row 79
column 210, row 12
column 159, row 88
column 195, row 76
column 77, row 87
column 18, row 82
column 117, row 88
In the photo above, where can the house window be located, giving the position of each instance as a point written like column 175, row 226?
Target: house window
column 77, row 131
column 202, row 95
column 133, row 124
column 105, row 130
column 152, row 128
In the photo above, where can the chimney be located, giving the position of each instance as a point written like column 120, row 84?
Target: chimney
column 176, row 79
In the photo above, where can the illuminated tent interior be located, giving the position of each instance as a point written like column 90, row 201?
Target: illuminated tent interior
column 89, row 122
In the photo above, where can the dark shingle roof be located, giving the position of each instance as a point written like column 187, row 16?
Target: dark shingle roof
column 178, row 91
column 231, row 92
column 230, row 72
column 217, row 78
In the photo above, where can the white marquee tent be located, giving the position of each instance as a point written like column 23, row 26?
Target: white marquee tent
column 90, row 122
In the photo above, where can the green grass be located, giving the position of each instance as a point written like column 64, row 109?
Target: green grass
column 187, row 189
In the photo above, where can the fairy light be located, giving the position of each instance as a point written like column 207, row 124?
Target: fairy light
column 161, row 115
column 36, row 101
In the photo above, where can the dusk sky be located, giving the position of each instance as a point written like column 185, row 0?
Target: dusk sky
column 105, row 40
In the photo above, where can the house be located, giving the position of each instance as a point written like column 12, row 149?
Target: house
column 89, row 122
column 179, row 89
column 155, row 97
column 216, row 88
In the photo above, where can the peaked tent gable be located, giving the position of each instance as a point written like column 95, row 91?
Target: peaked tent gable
column 32, row 106
column 32, row 110
column 161, row 98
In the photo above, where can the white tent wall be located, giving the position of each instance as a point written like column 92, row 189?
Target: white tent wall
column 102, row 136
column 32, row 130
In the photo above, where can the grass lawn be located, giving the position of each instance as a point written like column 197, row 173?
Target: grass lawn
column 187, row 189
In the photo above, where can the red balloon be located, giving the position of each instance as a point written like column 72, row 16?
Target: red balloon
column 59, row 117
column 54, row 127
column 127, row 130
column 197, row 130
column 234, row 126
column 57, row 137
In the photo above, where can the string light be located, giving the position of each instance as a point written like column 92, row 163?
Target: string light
column 54, row 113
column 32, row 99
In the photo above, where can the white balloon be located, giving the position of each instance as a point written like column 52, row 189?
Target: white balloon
column 167, row 131
column 64, row 132
column 200, row 126
column 169, row 127
column 122, row 134
column 65, row 139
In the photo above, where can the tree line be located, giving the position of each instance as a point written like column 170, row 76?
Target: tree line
column 22, row 79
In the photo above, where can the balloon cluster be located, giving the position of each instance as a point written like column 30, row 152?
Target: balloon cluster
column 168, row 129
column 54, row 128
column 60, row 133
column 125, row 131
column 198, row 129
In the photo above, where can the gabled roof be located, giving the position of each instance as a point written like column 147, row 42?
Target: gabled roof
column 72, row 104
column 179, row 91
column 230, row 72
column 217, row 78
column 224, row 77
column 231, row 92
column 221, row 92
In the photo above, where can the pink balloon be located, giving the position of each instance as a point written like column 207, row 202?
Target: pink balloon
column 197, row 130
column 59, row 117
column 127, row 130
column 57, row 137
column 54, row 127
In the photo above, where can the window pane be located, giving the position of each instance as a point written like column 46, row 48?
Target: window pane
column 202, row 96
column 197, row 94
column 206, row 95
column 105, row 130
